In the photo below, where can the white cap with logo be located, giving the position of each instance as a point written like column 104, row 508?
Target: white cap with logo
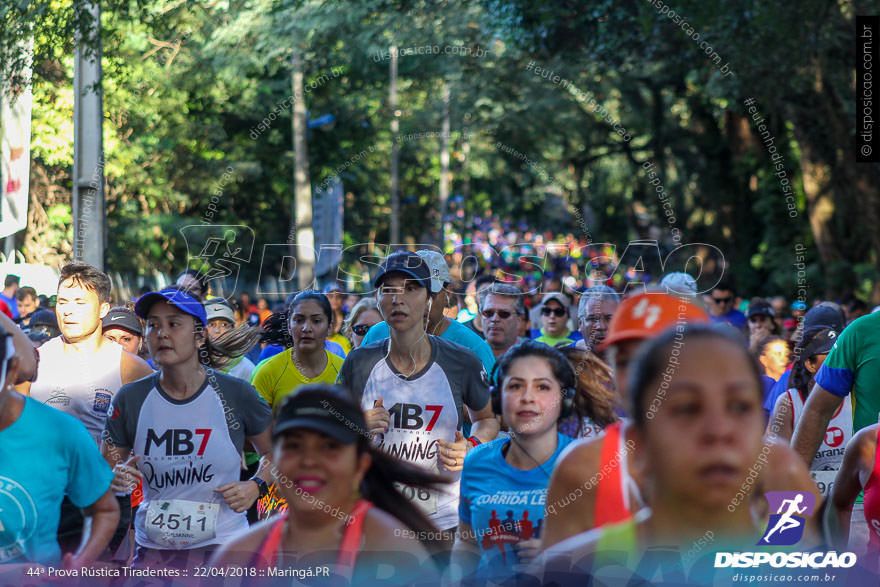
column 439, row 270
column 218, row 309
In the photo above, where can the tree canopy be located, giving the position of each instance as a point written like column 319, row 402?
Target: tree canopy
column 568, row 101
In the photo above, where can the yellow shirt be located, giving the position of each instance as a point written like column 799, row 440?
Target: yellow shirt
column 341, row 341
column 277, row 376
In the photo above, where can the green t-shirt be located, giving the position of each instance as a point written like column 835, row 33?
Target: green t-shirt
column 553, row 341
column 853, row 366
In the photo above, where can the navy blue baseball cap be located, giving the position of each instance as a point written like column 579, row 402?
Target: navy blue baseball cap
column 407, row 263
column 177, row 298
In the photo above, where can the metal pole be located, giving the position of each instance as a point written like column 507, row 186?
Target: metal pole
column 88, row 147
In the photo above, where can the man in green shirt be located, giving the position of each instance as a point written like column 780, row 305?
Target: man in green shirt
column 554, row 330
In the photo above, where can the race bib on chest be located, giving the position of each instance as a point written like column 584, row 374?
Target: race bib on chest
column 824, row 480
column 178, row 523
column 424, row 499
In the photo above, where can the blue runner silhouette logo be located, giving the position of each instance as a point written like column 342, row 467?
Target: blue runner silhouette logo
column 786, row 525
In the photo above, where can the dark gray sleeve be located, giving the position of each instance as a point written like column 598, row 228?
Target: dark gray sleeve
column 476, row 384
column 120, row 426
column 469, row 371
column 344, row 377
column 248, row 413
column 358, row 365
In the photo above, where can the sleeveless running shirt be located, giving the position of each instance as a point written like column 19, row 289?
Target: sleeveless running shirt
column 872, row 502
column 829, row 457
column 613, row 491
column 82, row 385
column 187, row 449
column 266, row 555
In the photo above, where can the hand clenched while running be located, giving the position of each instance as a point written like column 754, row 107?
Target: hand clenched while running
column 451, row 454
column 126, row 476
column 378, row 419
column 239, row 495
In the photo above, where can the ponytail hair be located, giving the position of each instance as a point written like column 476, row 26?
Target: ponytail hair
column 232, row 344
column 378, row 483
column 378, row 487
column 800, row 377
column 594, row 388
column 275, row 331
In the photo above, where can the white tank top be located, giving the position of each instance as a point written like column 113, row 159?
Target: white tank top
column 837, row 435
column 79, row 384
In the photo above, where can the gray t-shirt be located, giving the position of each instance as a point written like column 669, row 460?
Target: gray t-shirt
column 187, row 450
column 425, row 408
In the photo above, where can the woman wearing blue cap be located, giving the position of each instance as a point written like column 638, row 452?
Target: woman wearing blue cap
column 186, row 426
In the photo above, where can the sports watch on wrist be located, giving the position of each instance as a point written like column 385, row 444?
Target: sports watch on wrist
column 262, row 485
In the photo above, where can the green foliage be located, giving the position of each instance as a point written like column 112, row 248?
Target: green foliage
column 193, row 89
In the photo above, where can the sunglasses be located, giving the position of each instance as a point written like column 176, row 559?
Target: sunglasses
column 558, row 311
column 722, row 300
column 503, row 314
column 360, row 329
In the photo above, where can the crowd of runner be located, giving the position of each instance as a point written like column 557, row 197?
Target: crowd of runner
column 427, row 430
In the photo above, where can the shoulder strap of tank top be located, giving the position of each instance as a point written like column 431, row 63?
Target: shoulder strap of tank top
column 267, row 554
column 628, row 485
column 874, row 477
column 351, row 538
column 610, row 506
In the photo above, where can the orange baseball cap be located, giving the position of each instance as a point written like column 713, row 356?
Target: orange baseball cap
column 648, row 314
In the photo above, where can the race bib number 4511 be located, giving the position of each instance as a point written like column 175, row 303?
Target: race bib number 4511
column 178, row 523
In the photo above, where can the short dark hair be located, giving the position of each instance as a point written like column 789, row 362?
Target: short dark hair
column 25, row 292
column 89, row 277
column 11, row 280
column 200, row 277
column 483, row 279
column 726, row 284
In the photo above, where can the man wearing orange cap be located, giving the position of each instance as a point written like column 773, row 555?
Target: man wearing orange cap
column 596, row 472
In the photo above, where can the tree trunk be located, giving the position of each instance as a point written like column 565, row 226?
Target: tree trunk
column 302, row 189
column 395, row 150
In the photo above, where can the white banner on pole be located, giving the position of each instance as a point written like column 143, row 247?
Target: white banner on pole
column 15, row 159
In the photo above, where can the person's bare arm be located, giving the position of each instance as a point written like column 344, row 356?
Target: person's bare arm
column 132, row 368
column 240, row 495
column 574, row 474
column 105, row 517
column 485, row 424
column 859, row 455
column 780, row 424
column 810, row 430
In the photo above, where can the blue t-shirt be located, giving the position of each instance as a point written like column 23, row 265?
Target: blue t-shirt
column 778, row 389
column 456, row 332
column 273, row 349
column 734, row 317
column 502, row 504
column 44, row 455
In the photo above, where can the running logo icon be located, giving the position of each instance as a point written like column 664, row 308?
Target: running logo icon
column 786, row 526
